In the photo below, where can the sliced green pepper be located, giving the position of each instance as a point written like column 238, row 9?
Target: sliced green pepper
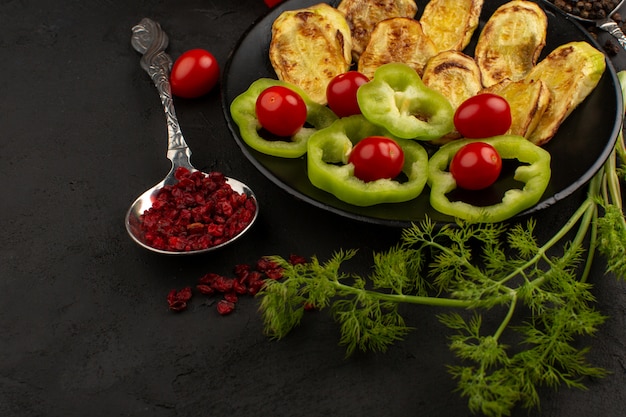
column 398, row 100
column 534, row 172
column 243, row 112
column 328, row 169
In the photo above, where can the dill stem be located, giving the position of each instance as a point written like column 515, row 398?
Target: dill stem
column 615, row 194
column 590, row 220
column 620, row 147
column 508, row 317
column 593, row 238
column 581, row 212
column 610, row 168
column 411, row 299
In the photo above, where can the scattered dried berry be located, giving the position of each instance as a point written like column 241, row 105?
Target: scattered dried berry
column 205, row 289
column 231, row 297
column 297, row 259
column 198, row 212
column 177, row 300
column 247, row 280
column 225, row 307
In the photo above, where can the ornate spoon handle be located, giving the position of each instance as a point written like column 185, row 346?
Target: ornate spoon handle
column 613, row 28
column 151, row 41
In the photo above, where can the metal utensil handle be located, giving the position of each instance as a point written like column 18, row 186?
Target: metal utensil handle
column 151, row 41
column 613, row 28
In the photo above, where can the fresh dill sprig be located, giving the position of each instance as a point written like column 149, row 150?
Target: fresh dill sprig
column 468, row 266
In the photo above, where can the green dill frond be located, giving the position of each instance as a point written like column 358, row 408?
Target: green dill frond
column 468, row 344
column 281, row 307
column 332, row 267
column 367, row 324
column 612, row 239
column 536, row 298
column 485, row 351
column 446, row 269
column 495, row 260
column 399, row 270
column 419, row 233
column 454, row 321
column 550, row 357
column 522, row 239
column 492, row 395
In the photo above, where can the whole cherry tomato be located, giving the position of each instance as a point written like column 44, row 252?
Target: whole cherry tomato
column 483, row 116
column 376, row 157
column 341, row 93
column 280, row 110
column 194, row 74
column 476, row 165
column 272, row 3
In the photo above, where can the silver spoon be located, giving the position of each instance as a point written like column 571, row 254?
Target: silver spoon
column 606, row 24
column 151, row 41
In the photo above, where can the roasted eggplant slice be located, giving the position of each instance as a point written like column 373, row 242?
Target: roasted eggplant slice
column 309, row 47
column 451, row 23
column 511, row 41
column 457, row 77
column 453, row 74
column 528, row 99
column 571, row 72
column 398, row 39
column 364, row 15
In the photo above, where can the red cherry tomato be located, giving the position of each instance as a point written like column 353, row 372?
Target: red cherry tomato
column 376, row 157
column 280, row 110
column 475, row 166
column 483, row 116
column 194, row 74
column 341, row 93
column 272, row 3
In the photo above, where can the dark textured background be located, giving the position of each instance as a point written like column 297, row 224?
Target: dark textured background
column 84, row 325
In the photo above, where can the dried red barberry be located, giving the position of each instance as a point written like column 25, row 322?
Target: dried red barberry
column 231, row 296
column 205, row 289
column 297, row 259
column 276, row 273
column 184, row 294
column 225, row 307
column 242, row 269
column 178, row 305
column 239, row 287
column 255, row 284
column 265, row 264
column 222, row 284
column 208, row 278
column 247, row 280
column 198, row 212
column 177, row 300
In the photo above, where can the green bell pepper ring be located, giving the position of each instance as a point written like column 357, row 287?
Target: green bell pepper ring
column 398, row 100
column 535, row 176
column 243, row 112
column 328, row 169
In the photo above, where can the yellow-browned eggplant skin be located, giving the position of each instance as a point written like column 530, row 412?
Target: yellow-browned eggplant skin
column 397, row 39
column 457, row 77
column 309, row 47
column 364, row 15
column 571, row 72
column 528, row 99
column 511, row 41
column 453, row 74
column 451, row 23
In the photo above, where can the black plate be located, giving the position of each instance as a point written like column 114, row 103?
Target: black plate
column 579, row 149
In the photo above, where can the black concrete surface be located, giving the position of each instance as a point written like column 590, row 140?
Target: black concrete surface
column 84, row 324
